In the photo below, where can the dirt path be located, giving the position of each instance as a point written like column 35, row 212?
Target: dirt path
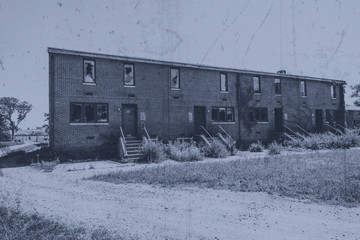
column 152, row 212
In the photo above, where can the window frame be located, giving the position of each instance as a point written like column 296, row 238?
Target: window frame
column 178, row 70
column 133, row 70
column 226, row 82
column 252, row 114
column 83, row 67
column 82, row 117
column 333, row 91
column 279, row 84
column 218, row 120
column 259, row 84
column 305, row 88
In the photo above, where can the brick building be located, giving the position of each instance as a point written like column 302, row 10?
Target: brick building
column 93, row 95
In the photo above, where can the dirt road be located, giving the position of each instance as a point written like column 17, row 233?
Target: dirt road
column 154, row 212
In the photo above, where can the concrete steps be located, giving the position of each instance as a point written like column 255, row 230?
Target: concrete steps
column 133, row 146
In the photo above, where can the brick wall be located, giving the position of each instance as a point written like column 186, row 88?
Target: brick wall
column 167, row 111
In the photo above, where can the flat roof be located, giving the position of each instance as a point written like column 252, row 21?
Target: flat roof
column 188, row 65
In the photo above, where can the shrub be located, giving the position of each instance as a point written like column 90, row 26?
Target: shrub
column 256, row 147
column 183, row 151
column 274, row 148
column 152, row 151
column 215, row 150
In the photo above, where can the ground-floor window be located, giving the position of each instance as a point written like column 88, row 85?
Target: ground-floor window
column 258, row 114
column 89, row 112
column 331, row 116
column 222, row 114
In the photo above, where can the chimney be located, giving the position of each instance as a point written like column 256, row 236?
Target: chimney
column 281, row 71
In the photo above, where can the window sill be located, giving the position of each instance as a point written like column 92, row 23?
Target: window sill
column 225, row 123
column 304, row 96
column 257, row 93
column 129, row 86
column 278, row 95
column 88, row 83
column 224, row 91
column 175, row 89
column 262, row 122
column 88, row 124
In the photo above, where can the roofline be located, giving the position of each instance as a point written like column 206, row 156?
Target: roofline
column 189, row 65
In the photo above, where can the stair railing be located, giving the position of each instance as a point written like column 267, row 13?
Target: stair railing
column 229, row 141
column 146, row 133
column 207, row 132
column 341, row 127
column 123, row 142
column 293, row 132
column 302, row 129
column 334, row 129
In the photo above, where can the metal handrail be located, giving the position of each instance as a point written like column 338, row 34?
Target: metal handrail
column 293, row 132
column 336, row 130
column 207, row 132
column 342, row 127
column 122, row 134
column 306, row 132
column 225, row 132
column 147, row 134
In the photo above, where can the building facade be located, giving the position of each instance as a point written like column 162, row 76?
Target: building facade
column 93, row 95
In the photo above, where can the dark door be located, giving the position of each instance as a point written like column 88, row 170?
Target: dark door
column 278, row 112
column 319, row 120
column 129, row 120
column 199, row 119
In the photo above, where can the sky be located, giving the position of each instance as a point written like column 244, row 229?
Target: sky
column 318, row 38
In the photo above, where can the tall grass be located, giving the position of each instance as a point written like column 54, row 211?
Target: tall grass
column 332, row 176
column 16, row 225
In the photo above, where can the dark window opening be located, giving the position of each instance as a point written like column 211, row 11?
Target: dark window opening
column 277, row 83
column 89, row 113
column 258, row 114
column 333, row 91
column 222, row 114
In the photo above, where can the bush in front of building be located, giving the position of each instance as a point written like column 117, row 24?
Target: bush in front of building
column 152, row 151
column 275, row 148
column 183, row 151
column 216, row 149
column 256, row 147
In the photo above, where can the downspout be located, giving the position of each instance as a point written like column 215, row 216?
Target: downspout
column 238, row 85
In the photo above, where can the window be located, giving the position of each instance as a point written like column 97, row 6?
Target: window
column 258, row 114
column 129, row 76
column 89, row 71
column 277, row 83
column 333, row 91
column 223, row 82
column 331, row 116
column 303, row 92
column 222, row 114
column 175, row 78
column 89, row 113
column 256, row 82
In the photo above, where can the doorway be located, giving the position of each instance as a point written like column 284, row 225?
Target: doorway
column 278, row 115
column 319, row 120
column 129, row 120
column 199, row 119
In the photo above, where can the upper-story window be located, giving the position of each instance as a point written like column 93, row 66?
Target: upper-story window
column 303, row 91
column 333, row 91
column 129, row 75
column 89, row 71
column 277, row 83
column 223, row 82
column 256, row 82
column 175, row 78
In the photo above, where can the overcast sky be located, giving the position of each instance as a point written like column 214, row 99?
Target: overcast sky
column 307, row 37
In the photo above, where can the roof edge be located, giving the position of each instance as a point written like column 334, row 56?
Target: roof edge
column 189, row 65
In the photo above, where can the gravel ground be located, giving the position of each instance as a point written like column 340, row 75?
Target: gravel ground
column 155, row 212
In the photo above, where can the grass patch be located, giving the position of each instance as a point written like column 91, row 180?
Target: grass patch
column 16, row 225
column 332, row 177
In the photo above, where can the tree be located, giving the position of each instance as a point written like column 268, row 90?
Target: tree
column 14, row 112
column 356, row 94
column 46, row 125
column 4, row 134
